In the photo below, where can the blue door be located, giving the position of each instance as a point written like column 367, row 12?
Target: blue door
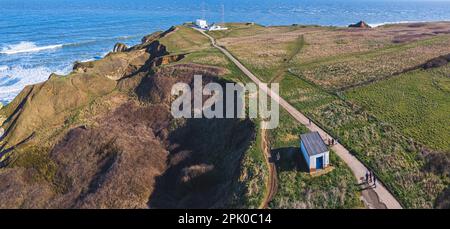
column 319, row 163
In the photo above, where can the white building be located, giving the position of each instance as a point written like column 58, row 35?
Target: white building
column 202, row 24
column 215, row 27
column 315, row 152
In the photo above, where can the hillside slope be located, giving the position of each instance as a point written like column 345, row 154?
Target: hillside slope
column 103, row 137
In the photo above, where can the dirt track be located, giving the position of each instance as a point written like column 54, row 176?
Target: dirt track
column 272, row 182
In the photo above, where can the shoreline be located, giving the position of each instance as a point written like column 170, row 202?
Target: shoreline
column 4, row 102
column 375, row 25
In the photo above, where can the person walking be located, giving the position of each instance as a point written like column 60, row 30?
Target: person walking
column 367, row 177
column 374, row 181
column 370, row 177
column 309, row 120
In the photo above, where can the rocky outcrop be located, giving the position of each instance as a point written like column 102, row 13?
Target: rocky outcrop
column 118, row 65
column 360, row 24
column 151, row 37
column 81, row 67
column 167, row 59
column 120, row 47
column 156, row 49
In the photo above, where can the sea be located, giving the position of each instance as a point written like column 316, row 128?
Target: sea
column 40, row 37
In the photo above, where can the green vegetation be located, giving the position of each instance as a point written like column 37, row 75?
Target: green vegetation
column 250, row 189
column 213, row 57
column 238, row 30
column 296, row 188
column 288, row 132
column 185, row 40
column 39, row 161
column 304, row 95
column 417, row 103
column 336, row 189
column 48, row 111
column 379, row 145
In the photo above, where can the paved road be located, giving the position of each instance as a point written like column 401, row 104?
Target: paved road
column 358, row 169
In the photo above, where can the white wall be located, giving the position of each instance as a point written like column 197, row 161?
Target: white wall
column 201, row 23
column 311, row 161
column 326, row 160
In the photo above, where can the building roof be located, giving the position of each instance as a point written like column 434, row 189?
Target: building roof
column 313, row 143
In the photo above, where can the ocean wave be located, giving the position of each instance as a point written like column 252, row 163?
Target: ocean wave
column 26, row 46
column 397, row 22
column 14, row 79
column 93, row 41
column 3, row 68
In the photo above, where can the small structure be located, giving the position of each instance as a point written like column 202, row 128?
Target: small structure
column 315, row 152
column 202, row 24
column 216, row 27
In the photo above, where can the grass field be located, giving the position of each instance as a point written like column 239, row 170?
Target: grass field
column 185, row 40
column 345, row 70
column 213, row 57
column 417, row 103
column 296, row 188
column 334, row 58
column 395, row 158
column 261, row 49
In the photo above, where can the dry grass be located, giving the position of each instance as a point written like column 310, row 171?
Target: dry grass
column 337, row 57
column 344, row 71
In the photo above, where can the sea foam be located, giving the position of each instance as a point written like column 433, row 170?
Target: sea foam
column 394, row 23
column 14, row 79
column 26, row 46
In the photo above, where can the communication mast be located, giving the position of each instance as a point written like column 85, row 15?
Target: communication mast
column 223, row 14
column 203, row 10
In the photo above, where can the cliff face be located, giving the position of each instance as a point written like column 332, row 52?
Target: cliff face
column 103, row 137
